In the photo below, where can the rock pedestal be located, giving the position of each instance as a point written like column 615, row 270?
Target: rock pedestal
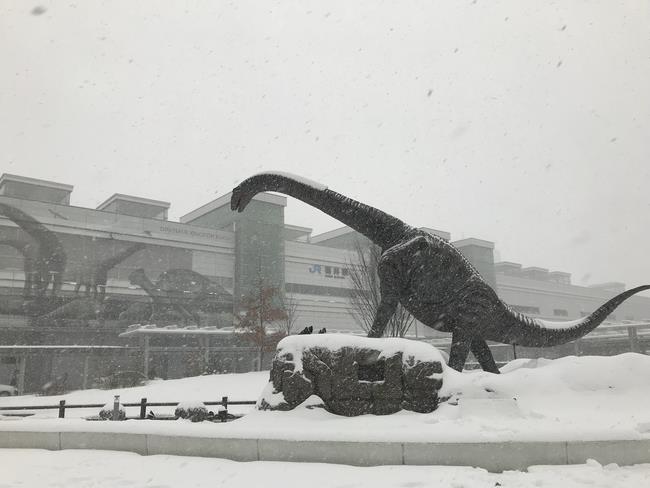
column 354, row 375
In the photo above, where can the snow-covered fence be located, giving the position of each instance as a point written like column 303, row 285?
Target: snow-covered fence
column 62, row 406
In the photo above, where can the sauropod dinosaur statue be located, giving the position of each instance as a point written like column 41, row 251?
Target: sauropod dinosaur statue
column 30, row 259
column 430, row 278
column 182, row 290
column 48, row 256
column 95, row 276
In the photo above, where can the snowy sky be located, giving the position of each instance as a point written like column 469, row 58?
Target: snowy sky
column 521, row 122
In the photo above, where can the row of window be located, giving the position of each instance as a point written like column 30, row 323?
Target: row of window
column 329, row 291
column 557, row 312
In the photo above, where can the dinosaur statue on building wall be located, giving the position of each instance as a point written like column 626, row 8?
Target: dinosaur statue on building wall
column 430, row 278
column 46, row 252
column 30, row 256
column 180, row 292
column 94, row 277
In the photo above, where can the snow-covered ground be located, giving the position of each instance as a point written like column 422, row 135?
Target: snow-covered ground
column 80, row 468
column 245, row 386
column 572, row 398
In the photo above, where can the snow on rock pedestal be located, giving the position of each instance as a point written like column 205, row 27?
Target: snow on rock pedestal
column 354, row 375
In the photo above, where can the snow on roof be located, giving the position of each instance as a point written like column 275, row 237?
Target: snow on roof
column 153, row 329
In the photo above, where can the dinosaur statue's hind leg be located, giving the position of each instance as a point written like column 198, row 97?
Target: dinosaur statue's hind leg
column 483, row 355
column 460, row 344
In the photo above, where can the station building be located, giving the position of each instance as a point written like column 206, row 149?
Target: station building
column 125, row 258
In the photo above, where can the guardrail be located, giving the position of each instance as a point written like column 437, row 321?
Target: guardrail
column 143, row 404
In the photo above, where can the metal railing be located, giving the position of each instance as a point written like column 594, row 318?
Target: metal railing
column 222, row 414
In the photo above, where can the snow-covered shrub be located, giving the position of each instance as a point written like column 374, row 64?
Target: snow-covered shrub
column 106, row 413
column 194, row 411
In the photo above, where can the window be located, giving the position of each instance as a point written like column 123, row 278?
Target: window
column 525, row 309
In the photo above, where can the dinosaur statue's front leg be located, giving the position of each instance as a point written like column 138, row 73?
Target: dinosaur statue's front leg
column 385, row 311
column 389, row 290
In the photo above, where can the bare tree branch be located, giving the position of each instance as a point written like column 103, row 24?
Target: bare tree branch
column 365, row 295
column 289, row 305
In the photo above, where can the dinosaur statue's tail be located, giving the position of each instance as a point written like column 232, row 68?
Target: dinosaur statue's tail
column 381, row 228
column 529, row 332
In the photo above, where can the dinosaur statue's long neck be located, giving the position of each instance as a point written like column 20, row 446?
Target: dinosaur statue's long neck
column 529, row 332
column 120, row 256
column 381, row 228
column 33, row 227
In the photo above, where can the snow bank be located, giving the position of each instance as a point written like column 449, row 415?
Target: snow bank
column 236, row 386
column 82, row 468
column 572, row 398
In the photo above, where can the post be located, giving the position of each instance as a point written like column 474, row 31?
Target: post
column 576, row 347
column 146, row 357
column 62, row 409
column 206, row 354
column 84, row 383
column 224, row 412
column 143, row 408
column 634, row 339
column 22, row 366
column 116, row 408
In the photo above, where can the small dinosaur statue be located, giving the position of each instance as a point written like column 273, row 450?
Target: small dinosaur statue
column 94, row 277
column 182, row 291
column 47, row 253
column 430, row 278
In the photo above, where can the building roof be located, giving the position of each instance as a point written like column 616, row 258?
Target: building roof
column 332, row 234
column 224, row 200
column 471, row 241
column 151, row 329
column 293, row 232
column 534, row 269
column 560, row 273
column 6, row 177
column 132, row 199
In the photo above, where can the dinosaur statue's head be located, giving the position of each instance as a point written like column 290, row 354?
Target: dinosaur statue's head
column 138, row 277
column 242, row 195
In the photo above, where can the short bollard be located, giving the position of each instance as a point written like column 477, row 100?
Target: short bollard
column 62, row 409
column 223, row 412
column 143, row 408
column 116, row 408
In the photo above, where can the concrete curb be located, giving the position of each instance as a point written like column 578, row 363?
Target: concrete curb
column 493, row 456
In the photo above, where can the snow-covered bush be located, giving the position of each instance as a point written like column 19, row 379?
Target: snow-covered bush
column 194, row 411
column 106, row 413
